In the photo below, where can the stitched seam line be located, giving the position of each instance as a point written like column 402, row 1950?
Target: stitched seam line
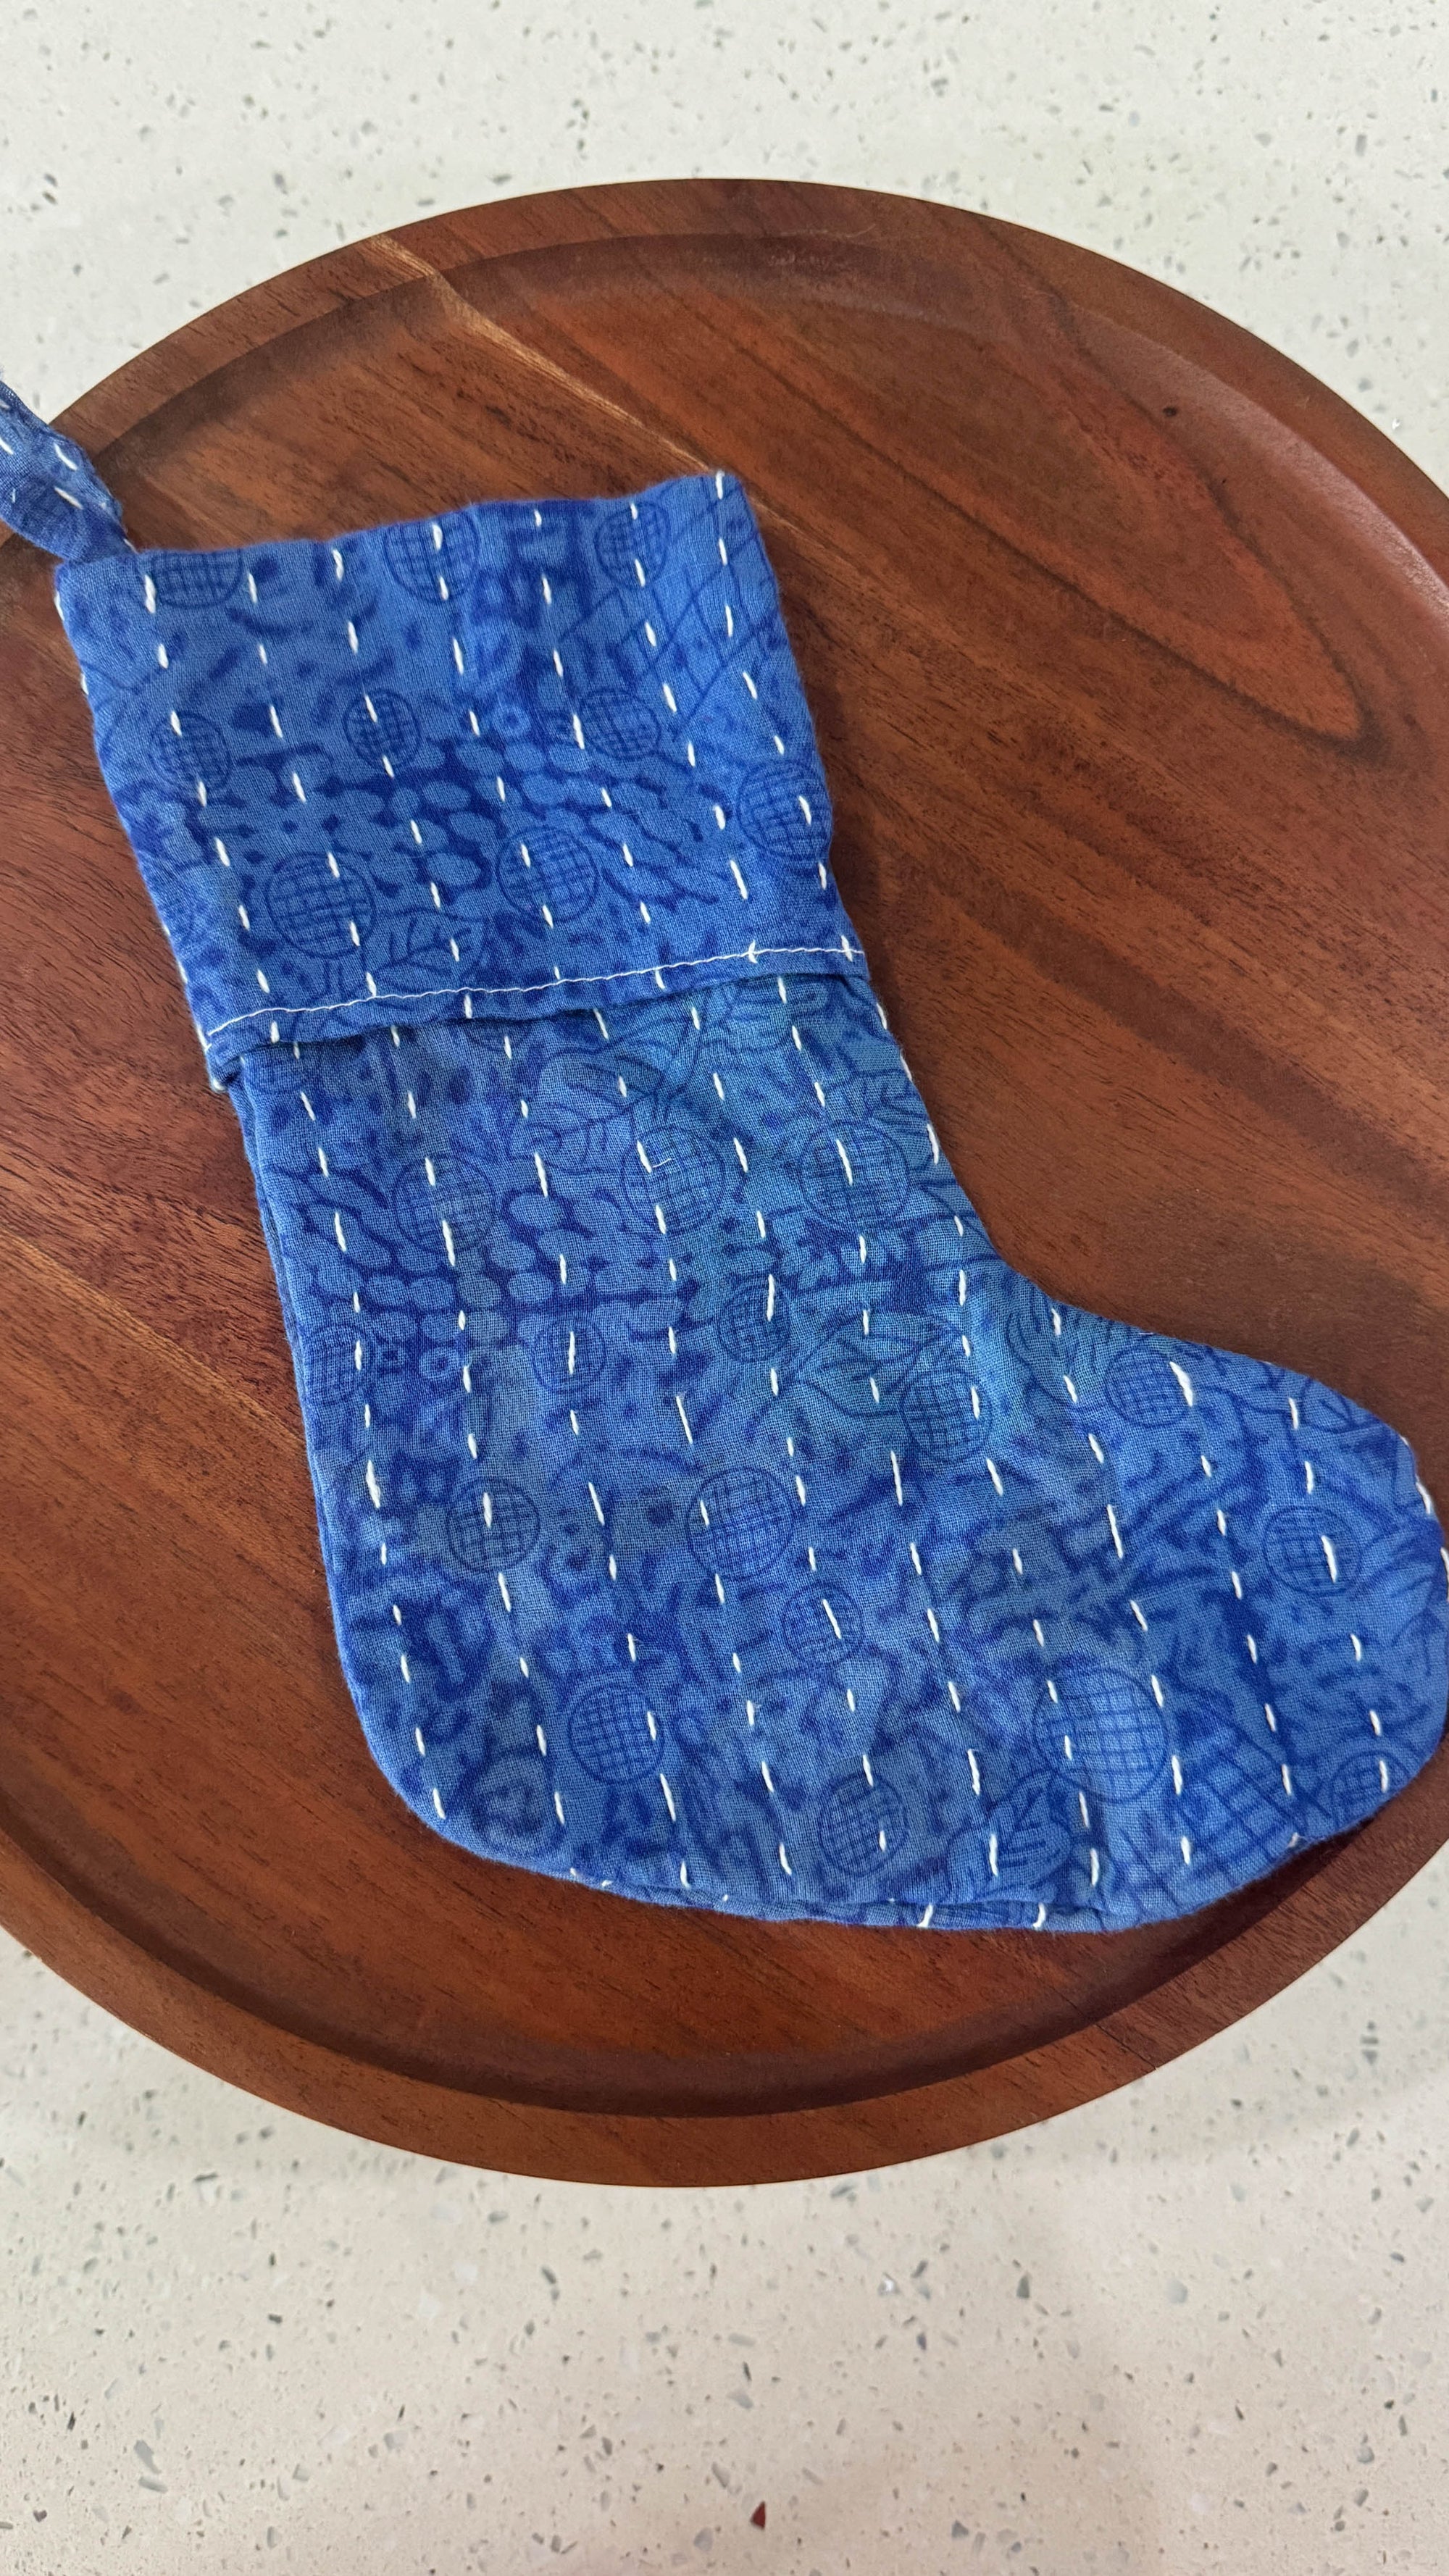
column 500, row 992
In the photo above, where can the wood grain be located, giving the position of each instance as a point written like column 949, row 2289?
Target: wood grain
column 1127, row 644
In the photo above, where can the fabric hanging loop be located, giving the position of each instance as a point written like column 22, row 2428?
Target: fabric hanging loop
column 50, row 492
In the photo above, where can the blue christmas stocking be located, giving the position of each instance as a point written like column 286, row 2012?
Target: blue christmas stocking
column 709, row 1512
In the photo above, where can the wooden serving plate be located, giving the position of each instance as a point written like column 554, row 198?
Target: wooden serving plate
column 1128, row 648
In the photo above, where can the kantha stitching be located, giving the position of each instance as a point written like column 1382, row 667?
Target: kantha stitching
column 499, row 992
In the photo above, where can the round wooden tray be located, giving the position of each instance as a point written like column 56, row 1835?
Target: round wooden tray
column 1128, row 648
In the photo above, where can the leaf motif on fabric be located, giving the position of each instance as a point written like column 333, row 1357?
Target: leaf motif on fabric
column 861, row 1372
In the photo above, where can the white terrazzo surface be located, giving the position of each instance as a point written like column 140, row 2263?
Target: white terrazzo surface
column 1199, row 2326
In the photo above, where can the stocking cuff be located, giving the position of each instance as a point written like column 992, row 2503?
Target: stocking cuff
column 514, row 759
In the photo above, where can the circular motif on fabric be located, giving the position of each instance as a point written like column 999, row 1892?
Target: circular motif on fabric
column 1118, row 1743
column 567, row 1356
column 683, row 1178
column 756, row 1322
column 197, row 751
column 194, row 581
column 313, row 910
column 422, row 553
column 513, row 717
column 618, row 725
column 739, row 1523
column 1361, row 1784
column 329, row 1366
column 855, row 1176
column 380, row 725
column 632, row 532
column 862, row 1826
column 550, row 868
column 493, row 1529
column 1311, row 1550
column 821, row 1624
column 456, row 1192
column 609, row 1733
column 782, row 806
column 1142, row 1388
column 945, row 1412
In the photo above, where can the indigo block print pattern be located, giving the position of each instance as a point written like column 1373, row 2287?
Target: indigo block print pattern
column 710, row 1514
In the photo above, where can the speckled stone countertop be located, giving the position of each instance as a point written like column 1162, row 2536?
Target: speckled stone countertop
column 1199, row 2326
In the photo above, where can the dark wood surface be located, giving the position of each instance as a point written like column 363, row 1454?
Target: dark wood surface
column 1128, row 647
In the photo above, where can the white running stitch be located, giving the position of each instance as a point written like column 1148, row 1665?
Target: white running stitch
column 932, row 1620
column 750, row 1705
column 501, row 992
column 374, row 1488
column 1189, row 1397
column 602, row 1519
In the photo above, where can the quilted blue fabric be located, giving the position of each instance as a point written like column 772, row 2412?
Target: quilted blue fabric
column 709, row 1512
